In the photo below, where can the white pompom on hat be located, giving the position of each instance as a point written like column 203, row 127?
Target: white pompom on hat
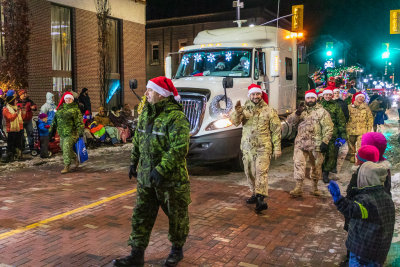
column 163, row 86
column 311, row 93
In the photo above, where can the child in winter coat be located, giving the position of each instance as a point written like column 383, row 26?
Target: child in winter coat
column 44, row 127
column 369, row 211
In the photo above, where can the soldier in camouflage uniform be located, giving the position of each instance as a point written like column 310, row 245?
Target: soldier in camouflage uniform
column 339, row 131
column 360, row 122
column 260, row 137
column 68, row 122
column 158, row 161
column 314, row 131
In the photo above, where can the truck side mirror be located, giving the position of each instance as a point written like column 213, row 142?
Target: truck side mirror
column 133, row 84
column 168, row 67
column 227, row 82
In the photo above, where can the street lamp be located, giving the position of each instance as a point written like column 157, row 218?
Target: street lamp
column 340, row 61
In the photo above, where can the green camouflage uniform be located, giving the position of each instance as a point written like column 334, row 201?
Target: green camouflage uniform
column 339, row 130
column 260, row 136
column 314, row 126
column 68, row 121
column 161, row 142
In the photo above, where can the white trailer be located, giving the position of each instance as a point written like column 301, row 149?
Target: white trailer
column 261, row 54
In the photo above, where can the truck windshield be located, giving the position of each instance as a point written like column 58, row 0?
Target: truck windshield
column 218, row 62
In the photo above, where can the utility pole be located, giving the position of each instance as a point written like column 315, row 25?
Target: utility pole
column 238, row 4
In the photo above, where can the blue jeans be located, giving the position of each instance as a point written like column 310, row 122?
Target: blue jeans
column 357, row 261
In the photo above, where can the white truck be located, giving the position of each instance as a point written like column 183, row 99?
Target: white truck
column 214, row 74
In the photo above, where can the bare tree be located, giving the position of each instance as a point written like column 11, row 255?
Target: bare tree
column 104, row 28
column 16, row 28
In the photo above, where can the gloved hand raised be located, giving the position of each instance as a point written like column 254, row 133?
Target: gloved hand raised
column 155, row 177
column 323, row 147
column 132, row 172
column 340, row 142
column 238, row 107
column 300, row 108
column 334, row 190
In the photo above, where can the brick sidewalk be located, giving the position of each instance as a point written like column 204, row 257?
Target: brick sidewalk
column 224, row 231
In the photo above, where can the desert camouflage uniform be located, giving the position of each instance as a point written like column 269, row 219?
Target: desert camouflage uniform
column 260, row 136
column 339, row 130
column 161, row 142
column 314, row 126
column 68, row 122
column 360, row 122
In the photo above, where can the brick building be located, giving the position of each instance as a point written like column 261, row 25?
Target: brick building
column 63, row 52
column 169, row 35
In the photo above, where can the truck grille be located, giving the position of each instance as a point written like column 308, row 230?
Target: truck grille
column 193, row 107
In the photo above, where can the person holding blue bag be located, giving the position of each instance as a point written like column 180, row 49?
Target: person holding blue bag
column 68, row 123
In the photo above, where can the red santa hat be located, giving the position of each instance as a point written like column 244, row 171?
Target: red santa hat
column 311, row 93
column 328, row 90
column 336, row 90
column 359, row 94
column 254, row 88
column 164, row 87
column 64, row 96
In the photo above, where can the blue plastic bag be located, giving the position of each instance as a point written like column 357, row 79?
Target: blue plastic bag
column 80, row 150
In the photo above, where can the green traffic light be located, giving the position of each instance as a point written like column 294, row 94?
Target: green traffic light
column 329, row 53
column 385, row 55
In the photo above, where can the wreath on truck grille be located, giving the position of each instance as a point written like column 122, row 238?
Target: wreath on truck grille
column 215, row 107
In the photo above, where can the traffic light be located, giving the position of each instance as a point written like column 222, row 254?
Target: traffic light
column 385, row 50
column 329, row 49
column 297, row 19
column 394, row 21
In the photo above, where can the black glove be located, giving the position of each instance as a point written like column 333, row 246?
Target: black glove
column 323, row 147
column 155, row 177
column 132, row 172
column 300, row 109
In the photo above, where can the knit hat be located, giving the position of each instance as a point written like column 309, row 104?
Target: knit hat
column 377, row 140
column 64, row 96
column 10, row 93
column 359, row 94
column 371, row 174
column 311, row 93
column 42, row 116
column 21, row 92
column 368, row 153
column 163, row 86
column 352, row 91
column 254, row 88
column 10, row 98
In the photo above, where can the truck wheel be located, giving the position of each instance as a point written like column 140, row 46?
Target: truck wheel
column 237, row 163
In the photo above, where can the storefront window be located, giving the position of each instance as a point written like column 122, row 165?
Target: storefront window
column 61, row 38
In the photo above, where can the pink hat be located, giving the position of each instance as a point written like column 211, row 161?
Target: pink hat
column 311, row 93
column 368, row 153
column 377, row 140
column 254, row 88
column 42, row 116
column 164, row 87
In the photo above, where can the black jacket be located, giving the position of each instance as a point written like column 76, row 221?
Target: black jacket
column 84, row 103
column 371, row 226
column 343, row 105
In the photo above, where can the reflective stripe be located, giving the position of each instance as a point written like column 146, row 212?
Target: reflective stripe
column 142, row 131
column 364, row 211
column 158, row 133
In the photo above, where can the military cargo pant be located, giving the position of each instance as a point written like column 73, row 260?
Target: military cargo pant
column 330, row 157
column 313, row 159
column 174, row 201
column 256, row 169
column 342, row 153
column 354, row 145
column 67, row 146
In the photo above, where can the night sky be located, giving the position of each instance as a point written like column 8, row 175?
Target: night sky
column 363, row 23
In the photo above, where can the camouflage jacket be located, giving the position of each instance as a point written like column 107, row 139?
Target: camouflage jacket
column 261, row 128
column 68, row 120
column 314, row 126
column 337, row 117
column 360, row 121
column 161, row 141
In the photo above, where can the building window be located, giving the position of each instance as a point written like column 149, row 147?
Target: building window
column 155, row 53
column 114, row 94
column 289, row 68
column 2, row 53
column 61, row 47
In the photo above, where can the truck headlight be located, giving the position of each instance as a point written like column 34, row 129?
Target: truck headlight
column 219, row 124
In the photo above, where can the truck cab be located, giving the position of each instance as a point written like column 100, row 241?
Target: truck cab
column 261, row 54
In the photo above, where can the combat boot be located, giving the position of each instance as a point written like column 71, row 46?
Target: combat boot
column 325, row 177
column 316, row 192
column 298, row 190
column 260, row 205
column 136, row 259
column 65, row 170
column 175, row 256
column 251, row 200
